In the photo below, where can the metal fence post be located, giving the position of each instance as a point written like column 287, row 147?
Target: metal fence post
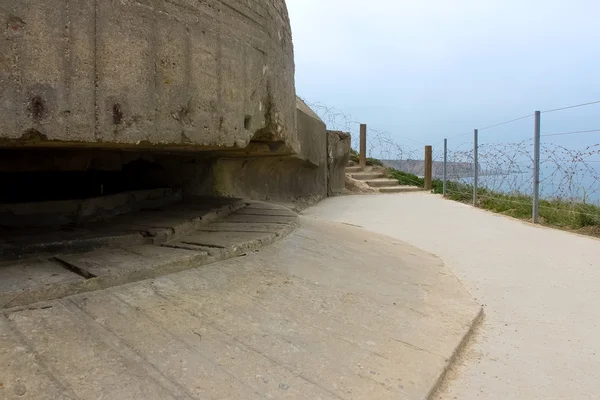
column 362, row 160
column 536, row 168
column 445, row 164
column 475, row 165
column 428, row 167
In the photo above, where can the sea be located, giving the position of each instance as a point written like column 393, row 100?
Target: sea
column 572, row 183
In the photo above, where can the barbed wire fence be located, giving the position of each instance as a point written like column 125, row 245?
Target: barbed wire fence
column 569, row 173
column 381, row 144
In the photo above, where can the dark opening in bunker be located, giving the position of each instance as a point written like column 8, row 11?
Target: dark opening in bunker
column 39, row 186
column 46, row 181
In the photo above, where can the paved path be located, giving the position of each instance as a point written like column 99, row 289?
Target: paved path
column 329, row 312
column 540, row 338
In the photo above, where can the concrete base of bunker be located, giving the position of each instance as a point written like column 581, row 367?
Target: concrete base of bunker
column 82, row 219
column 73, row 221
column 136, row 246
column 69, row 186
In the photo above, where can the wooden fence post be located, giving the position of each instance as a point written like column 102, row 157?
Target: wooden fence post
column 362, row 160
column 428, row 168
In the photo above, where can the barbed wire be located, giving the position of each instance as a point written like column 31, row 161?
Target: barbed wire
column 336, row 119
column 567, row 174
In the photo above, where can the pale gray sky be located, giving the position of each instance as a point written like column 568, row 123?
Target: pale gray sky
column 427, row 69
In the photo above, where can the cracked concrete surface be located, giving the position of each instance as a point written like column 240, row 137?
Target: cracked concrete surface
column 329, row 312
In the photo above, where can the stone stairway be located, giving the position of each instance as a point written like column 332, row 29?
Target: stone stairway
column 353, row 168
column 378, row 180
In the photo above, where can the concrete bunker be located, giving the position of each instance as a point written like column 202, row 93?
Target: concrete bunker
column 112, row 108
column 51, row 186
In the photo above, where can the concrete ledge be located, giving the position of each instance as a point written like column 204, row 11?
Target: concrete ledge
column 189, row 245
column 154, row 226
column 455, row 354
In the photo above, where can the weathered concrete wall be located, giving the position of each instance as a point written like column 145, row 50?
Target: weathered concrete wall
column 303, row 176
column 146, row 73
column 267, row 178
column 312, row 137
column 338, row 153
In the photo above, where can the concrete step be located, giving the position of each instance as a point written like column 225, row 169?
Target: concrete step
column 400, row 189
column 384, row 182
column 353, row 168
column 368, row 176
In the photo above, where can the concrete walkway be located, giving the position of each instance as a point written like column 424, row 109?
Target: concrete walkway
column 329, row 312
column 540, row 288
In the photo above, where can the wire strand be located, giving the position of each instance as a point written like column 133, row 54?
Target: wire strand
column 506, row 122
column 407, row 138
column 457, row 136
column 571, row 133
column 574, row 106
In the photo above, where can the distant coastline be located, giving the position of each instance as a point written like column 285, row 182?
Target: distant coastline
column 455, row 169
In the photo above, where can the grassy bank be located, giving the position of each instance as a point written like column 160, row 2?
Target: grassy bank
column 370, row 161
column 584, row 218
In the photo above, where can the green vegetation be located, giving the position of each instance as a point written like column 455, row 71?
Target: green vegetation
column 405, row 178
column 582, row 217
column 370, row 161
column 374, row 161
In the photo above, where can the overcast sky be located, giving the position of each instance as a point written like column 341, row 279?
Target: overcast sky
column 429, row 69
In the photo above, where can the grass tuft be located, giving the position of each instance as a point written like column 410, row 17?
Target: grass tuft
column 578, row 216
